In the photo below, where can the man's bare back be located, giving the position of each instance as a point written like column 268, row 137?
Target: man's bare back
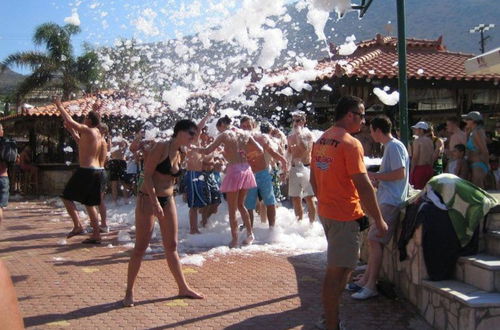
column 89, row 147
column 423, row 148
column 300, row 146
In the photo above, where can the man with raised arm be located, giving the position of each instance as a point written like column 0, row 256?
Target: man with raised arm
column 341, row 184
column 84, row 186
column 195, row 183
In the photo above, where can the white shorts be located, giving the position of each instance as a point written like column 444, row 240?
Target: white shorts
column 298, row 183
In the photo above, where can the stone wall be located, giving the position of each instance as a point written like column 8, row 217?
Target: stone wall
column 406, row 275
column 449, row 304
column 52, row 182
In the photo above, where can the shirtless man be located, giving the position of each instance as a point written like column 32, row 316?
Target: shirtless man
column 84, row 186
column 103, row 157
column 195, row 184
column 457, row 136
column 259, row 160
column 212, row 166
column 422, row 157
column 300, row 143
column 117, row 164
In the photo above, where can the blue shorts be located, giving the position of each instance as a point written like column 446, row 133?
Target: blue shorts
column 198, row 194
column 213, row 187
column 264, row 188
column 4, row 191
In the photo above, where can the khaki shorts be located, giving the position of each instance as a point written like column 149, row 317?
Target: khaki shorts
column 390, row 213
column 343, row 242
column 298, row 183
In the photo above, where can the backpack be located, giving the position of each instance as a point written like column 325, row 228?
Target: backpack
column 8, row 150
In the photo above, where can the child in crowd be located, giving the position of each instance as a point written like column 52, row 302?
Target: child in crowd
column 493, row 177
column 458, row 165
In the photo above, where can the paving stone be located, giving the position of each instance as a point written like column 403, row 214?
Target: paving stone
column 84, row 286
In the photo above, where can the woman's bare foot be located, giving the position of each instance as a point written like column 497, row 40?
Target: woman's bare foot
column 248, row 240
column 128, row 301
column 234, row 243
column 191, row 294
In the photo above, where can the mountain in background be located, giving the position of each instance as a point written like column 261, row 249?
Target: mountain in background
column 425, row 19
column 9, row 81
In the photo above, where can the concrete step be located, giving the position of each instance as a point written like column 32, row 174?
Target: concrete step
column 492, row 241
column 493, row 221
column 464, row 293
column 456, row 305
column 481, row 270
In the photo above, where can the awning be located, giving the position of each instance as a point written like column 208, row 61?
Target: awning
column 487, row 63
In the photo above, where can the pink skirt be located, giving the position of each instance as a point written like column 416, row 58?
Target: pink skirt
column 238, row 176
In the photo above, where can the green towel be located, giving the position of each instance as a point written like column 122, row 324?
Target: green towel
column 467, row 204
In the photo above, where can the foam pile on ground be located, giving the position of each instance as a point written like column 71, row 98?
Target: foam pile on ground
column 288, row 237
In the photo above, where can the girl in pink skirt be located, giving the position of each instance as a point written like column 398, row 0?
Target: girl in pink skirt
column 239, row 177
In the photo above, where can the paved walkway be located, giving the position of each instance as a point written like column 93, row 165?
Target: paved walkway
column 76, row 287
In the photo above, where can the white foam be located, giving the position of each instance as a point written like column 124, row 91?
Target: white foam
column 289, row 236
column 195, row 260
column 386, row 98
column 349, row 47
column 74, row 19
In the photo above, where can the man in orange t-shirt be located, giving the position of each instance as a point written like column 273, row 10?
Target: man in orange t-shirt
column 341, row 185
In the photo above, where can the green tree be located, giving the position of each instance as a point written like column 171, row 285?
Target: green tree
column 57, row 67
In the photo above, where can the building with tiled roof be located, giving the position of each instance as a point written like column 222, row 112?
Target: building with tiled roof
column 437, row 81
column 78, row 108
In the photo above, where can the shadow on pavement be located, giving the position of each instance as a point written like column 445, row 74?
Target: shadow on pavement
column 309, row 289
column 305, row 315
column 84, row 312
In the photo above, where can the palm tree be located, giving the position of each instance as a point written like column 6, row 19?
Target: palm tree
column 56, row 67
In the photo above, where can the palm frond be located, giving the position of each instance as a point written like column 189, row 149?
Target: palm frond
column 31, row 60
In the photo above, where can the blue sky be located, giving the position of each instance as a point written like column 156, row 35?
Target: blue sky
column 102, row 21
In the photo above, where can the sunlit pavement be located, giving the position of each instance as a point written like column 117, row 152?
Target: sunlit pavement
column 80, row 287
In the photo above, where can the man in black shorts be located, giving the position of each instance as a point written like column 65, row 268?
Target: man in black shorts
column 85, row 184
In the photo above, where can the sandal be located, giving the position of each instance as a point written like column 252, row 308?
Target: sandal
column 75, row 233
column 91, row 241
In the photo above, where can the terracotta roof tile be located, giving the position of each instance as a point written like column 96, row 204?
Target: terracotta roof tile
column 78, row 107
column 378, row 58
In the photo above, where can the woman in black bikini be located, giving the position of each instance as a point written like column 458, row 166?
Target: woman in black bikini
column 155, row 199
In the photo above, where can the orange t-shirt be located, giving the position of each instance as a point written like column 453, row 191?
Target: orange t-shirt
column 335, row 157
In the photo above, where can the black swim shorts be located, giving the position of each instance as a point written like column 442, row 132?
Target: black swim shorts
column 84, row 186
column 117, row 169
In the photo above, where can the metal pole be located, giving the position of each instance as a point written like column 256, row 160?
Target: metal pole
column 403, row 82
column 482, row 41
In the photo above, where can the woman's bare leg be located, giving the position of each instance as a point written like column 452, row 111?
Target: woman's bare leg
column 168, row 227
column 232, row 205
column 144, row 225
column 245, row 217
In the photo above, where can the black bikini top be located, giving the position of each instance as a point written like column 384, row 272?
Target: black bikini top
column 165, row 167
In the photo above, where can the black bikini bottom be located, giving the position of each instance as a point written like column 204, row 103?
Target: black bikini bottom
column 163, row 200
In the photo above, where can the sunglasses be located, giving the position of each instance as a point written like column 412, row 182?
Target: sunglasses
column 298, row 120
column 361, row 115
